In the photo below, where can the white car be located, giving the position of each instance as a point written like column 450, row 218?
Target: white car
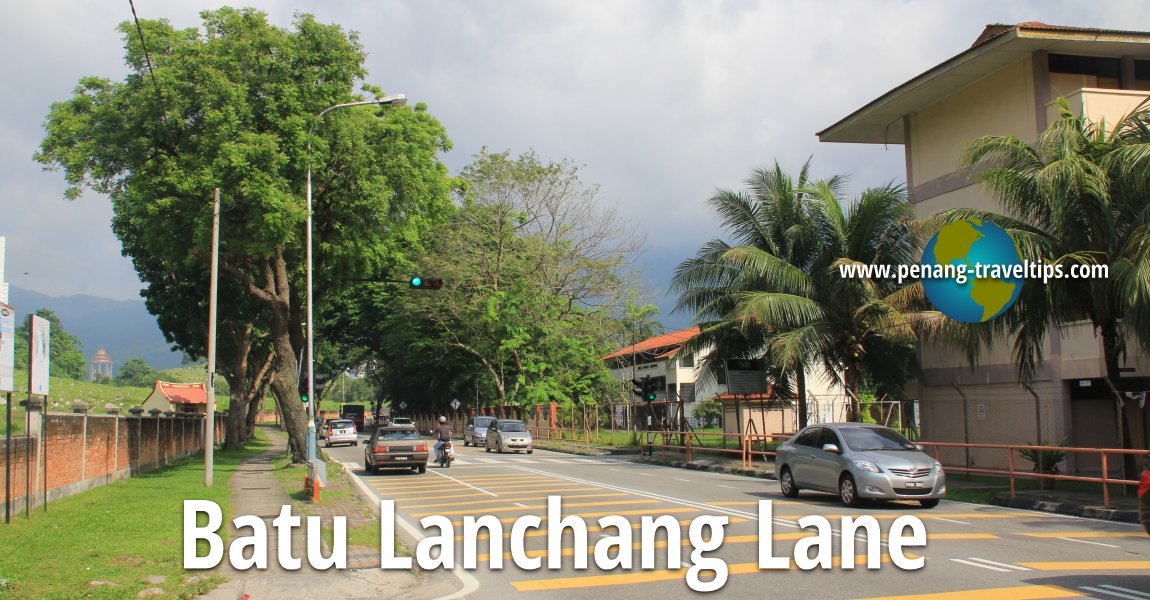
column 341, row 431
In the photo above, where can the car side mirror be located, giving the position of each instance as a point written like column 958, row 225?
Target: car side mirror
column 833, row 449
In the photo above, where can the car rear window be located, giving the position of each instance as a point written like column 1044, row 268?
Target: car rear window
column 342, row 424
column 513, row 426
column 403, row 434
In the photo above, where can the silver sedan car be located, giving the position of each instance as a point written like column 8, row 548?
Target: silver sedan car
column 858, row 461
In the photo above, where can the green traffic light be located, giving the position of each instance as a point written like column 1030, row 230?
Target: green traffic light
column 416, row 281
column 303, row 399
column 650, row 397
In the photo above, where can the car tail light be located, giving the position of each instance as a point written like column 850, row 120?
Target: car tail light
column 421, row 448
column 382, row 448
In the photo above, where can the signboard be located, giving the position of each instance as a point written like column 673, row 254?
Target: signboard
column 455, row 405
column 980, row 412
column 7, row 348
column 402, row 406
column 38, row 365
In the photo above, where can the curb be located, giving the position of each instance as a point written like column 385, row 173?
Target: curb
column 1066, row 508
column 694, row 466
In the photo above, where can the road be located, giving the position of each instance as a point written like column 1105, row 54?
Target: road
column 988, row 552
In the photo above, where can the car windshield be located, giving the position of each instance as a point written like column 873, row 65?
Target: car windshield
column 874, row 438
column 484, row 423
column 403, row 434
column 512, row 427
column 341, row 424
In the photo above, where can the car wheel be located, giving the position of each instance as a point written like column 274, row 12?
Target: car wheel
column 465, row 443
column 355, row 443
column 929, row 503
column 500, row 447
column 787, row 484
column 848, row 492
column 530, row 451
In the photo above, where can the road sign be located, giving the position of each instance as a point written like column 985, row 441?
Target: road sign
column 402, row 406
column 455, row 405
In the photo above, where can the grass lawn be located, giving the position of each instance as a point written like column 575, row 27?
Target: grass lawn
column 121, row 533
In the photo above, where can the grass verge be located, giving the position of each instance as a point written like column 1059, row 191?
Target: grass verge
column 119, row 533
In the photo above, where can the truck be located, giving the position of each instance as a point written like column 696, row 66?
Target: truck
column 354, row 412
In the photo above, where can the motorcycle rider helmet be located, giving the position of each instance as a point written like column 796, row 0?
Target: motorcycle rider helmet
column 442, row 419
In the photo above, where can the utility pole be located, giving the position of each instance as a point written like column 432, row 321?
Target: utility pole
column 210, row 419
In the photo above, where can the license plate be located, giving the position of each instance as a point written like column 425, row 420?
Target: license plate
column 914, row 484
column 401, row 458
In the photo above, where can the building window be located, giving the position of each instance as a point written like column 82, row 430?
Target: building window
column 1069, row 73
column 687, row 362
column 1142, row 75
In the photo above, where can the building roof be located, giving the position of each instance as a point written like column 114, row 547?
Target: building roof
column 880, row 121
column 180, row 393
column 675, row 338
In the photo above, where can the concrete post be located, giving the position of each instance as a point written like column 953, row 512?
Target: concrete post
column 111, row 409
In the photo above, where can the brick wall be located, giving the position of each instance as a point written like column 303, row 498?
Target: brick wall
column 78, row 452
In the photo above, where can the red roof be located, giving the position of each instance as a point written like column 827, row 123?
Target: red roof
column 768, row 395
column 182, row 393
column 675, row 338
column 997, row 29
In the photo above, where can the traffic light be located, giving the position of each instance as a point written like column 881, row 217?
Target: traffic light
column 319, row 380
column 426, row 283
column 301, row 385
column 640, row 388
column 650, row 387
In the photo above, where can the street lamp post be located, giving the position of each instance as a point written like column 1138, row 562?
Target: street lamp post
column 394, row 100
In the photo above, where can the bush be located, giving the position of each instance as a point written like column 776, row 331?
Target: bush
column 709, row 412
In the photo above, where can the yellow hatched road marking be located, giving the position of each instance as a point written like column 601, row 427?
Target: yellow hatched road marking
column 590, row 529
column 1088, row 534
column 1100, row 565
column 598, row 514
column 438, row 482
column 496, row 487
column 499, row 476
column 493, row 500
column 922, row 515
column 503, row 495
column 534, row 507
column 753, row 503
column 1022, row 592
column 565, row 583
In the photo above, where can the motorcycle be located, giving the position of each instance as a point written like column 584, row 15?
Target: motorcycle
column 446, row 455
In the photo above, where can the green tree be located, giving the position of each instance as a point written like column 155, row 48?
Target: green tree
column 709, row 412
column 233, row 105
column 136, row 372
column 65, row 352
column 1076, row 197
column 776, row 290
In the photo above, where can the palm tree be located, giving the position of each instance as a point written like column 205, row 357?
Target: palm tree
column 1077, row 197
column 776, row 290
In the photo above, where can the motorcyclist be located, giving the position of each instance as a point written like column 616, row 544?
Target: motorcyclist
column 442, row 436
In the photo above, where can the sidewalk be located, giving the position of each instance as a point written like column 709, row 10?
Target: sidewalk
column 255, row 490
column 1077, row 503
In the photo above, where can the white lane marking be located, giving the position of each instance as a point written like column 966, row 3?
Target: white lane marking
column 1122, row 589
column 998, row 564
column 612, row 469
column 952, row 521
column 1129, row 596
column 679, row 479
column 436, row 472
column 1088, row 542
column 645, row 474
column 523, row 505
column 726, row 486
column 965, row 562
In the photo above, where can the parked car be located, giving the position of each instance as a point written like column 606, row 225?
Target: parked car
column 341, row 431
column 508, row 434
column 1144, row 494
column 859, row 461
column 475, row 433
column 402, row 421
column 395, row 447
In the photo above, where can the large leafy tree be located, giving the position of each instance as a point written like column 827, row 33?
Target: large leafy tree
column 233, row 105
column 65, row 350
column 1079, row 196
column 776, row 291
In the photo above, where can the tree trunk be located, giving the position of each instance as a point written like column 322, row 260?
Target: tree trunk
column 851, row 377
column 801, row 392
column 1111, row 351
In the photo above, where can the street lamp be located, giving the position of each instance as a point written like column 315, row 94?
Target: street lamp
column 393, row 100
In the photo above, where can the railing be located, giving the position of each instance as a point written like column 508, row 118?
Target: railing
column 1012, row 473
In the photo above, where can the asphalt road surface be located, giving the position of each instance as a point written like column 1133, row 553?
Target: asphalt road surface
column 972, row 551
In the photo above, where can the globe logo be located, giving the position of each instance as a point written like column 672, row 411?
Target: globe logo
column 971, row 270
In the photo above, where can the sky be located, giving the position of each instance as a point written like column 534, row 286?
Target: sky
column 661, row 101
